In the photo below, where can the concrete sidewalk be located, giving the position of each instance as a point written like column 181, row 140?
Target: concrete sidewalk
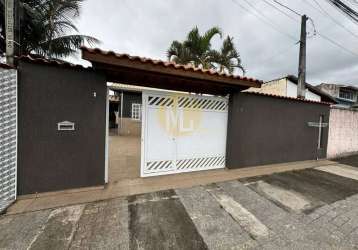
column 151, row 184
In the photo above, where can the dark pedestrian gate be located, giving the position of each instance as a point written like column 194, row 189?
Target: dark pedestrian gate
column 8, row 136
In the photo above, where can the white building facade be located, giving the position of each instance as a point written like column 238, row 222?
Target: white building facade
column 287, row 86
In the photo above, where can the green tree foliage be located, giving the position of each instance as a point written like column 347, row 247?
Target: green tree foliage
column 47, row 28
column 227, row 58
column 196, row 50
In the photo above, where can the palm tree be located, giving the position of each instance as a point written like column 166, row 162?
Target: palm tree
column 178, row 53
column 47, row 28
column 228, row 58
column 195, row 49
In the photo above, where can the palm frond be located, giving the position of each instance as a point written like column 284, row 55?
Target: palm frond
column 65, row 45
column 69, row 7
column 47, row 25
column 241, row 68
column 60, row 28
column 178, row 53
column 209, row 34
column 196, row 49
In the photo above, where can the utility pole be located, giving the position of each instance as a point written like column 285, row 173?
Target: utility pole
column 12, row 30
column 301, row 86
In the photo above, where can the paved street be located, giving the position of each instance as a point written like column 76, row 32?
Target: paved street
column 306, row 209
column 350, row 160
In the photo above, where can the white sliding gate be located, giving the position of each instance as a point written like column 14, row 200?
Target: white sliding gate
column 182, row 133
column 8, row 136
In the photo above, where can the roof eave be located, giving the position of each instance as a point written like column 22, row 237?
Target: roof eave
column 173, row 70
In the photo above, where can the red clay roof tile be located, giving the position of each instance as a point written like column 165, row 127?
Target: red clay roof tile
column 287, row 98
column 54, row 62
column 187, row 67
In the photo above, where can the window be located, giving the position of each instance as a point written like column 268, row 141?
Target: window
column 136, row 111
column 346, row 94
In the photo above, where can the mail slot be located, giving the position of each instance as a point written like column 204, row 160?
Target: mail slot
column 65, row 126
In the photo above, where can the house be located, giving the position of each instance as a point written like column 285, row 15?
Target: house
column 190, row 119
column 287, row 86
column 345, row 95
column 126, row 109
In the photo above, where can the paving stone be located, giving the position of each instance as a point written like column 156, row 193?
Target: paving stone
column 103, row 225
column 207, row 217
column 348, row 227
column 218, row 229
column 340, row 220
column 262, row 208
column 353, row 239
column 161, row 223
column 59, row 229
column 255, row 228
column 18, row 231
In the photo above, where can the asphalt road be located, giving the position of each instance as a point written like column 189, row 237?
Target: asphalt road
column 307, row 209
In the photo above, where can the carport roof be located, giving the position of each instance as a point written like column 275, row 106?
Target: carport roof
column 147, row 72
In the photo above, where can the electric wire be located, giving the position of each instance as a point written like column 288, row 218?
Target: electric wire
column 278, row 9
column 273, row 26
column 335, row 20
column 345, row 9
column 322, row 35
column 278, row 54
column 311, row 20
column 314, row 7
column 286, row 7
column 336, row 44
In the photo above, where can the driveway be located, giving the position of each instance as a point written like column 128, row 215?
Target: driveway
column 306, row 209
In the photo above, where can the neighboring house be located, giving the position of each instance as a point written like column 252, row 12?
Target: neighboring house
column 126, row 108
column 287, row 86
column 345, row 95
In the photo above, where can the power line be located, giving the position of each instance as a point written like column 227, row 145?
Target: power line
column 337, row 44
column 320, row 34
column 286, row 7
column 335, row 20
column 314, row 7
column 258, row 11
column 273, row 26
column 267, row 18
column 345, row 9
column 278, row 9
column 315, row 31
column 295, row 12
column 280, row 53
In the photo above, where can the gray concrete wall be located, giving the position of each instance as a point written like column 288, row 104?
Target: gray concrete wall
column 266, row 130
column 48, row 159
column 343, row 132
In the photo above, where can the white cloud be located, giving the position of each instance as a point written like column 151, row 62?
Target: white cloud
column 146, row 28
